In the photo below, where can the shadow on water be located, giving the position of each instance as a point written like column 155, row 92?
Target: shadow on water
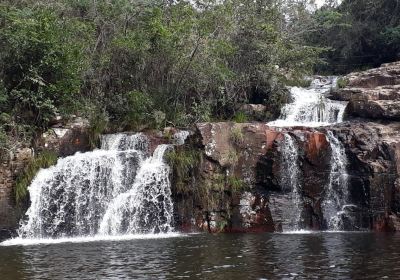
column 205, row 256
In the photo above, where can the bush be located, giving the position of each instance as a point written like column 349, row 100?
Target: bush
column 342, row 82
column 237, row 135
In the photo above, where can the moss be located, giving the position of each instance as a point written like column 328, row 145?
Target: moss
column 236, row 184
column 43, row 160
column 184, row 162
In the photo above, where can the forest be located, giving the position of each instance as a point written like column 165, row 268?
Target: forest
column 147, row 64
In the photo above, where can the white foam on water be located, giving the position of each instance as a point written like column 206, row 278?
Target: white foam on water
column 84, row 239
column 311, row 107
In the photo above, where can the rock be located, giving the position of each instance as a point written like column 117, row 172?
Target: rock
column 241, row 172
column 9, row 212
column 373, row 94
column 254, row 112
column 373, row 150
column 72, row 137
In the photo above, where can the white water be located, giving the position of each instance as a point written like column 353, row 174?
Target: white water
column 310, row 107
column 290, row 182
column 36, row 241
column 117, row 190
column 336, row 196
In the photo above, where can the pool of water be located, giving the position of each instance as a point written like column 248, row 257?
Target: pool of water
column 206, row 256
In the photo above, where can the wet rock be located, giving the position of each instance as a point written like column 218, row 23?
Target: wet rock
column 373, row 151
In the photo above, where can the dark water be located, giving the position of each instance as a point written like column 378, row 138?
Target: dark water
column 224, row 256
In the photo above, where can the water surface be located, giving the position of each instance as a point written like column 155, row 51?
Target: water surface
column 205, row 256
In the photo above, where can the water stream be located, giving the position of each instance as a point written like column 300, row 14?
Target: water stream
column 310, row 107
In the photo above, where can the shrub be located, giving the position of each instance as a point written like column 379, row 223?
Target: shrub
column 183, row 162
column 342, row 82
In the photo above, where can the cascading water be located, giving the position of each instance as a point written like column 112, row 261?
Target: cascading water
column 119, row 189
column 310, row 107
column 336, row 196
column 290, row 182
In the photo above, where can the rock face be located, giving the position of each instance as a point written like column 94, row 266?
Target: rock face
column 9, row 213
column 66, row 138
column 373, row 151
column 373, row 94
column 241, row 172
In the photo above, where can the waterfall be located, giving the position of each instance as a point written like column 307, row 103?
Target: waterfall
column 118, row 189
column 310, row 106
column 336, row 196
column 290, row 182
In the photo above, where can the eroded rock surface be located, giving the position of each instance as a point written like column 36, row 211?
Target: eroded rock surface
column 373, row 94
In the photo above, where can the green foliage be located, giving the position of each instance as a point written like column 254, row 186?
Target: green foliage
column 236, row 184
column 184, row 163
column 240, row 117
column 357, row 34
column 146, row 63
column 98, row 123
column 40, row 62
column 43, row 160
column 237, row 135
column 342, row 82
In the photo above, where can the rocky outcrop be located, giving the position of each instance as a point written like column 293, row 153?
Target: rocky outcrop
column 238, row 184
column 66, row 137
column 9, row 169
column 373, row 94
column 373, row 151
column 240, row 173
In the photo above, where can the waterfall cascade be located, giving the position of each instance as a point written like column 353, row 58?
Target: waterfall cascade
column 290, row 182
column 310, row 107
column 116, row 190
column 336, row 196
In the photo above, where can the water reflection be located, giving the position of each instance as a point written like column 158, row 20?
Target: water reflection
column 204, row 256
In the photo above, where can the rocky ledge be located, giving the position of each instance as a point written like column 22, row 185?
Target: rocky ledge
column 373, row 94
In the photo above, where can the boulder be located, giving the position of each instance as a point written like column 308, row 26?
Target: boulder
column 67, row 138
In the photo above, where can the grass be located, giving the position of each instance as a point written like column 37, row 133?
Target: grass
column 43, row 160
column 240, row 117
column 237, row 136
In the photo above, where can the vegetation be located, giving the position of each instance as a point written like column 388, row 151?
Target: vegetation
column 43, row 160
column 184, row 163
column 342, row 82
column 144, row 64
column 357, row 34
